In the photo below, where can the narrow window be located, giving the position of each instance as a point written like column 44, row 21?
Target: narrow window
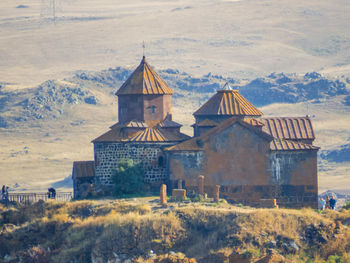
column 153, row 108
column 161, row 161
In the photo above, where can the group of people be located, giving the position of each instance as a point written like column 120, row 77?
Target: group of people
column 4, row 192
column 327, row 203
column 51, row 193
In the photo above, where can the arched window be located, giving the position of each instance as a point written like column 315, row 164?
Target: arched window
column 161, row 161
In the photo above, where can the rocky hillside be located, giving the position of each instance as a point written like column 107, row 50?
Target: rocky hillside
column 52, row 98
column 140, row 230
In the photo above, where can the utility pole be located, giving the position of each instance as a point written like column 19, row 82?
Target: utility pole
column 48, row 11
column 53, row 5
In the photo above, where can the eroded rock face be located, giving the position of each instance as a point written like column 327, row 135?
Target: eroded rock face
column 346, row 101
column 317, row 235
column 339, row 155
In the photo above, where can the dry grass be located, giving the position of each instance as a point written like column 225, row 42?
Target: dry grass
column 78, row 230
column 285, row 222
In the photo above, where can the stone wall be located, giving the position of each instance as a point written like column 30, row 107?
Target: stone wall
column 108, row 155
column 241, row 162
column 295, row 174
column 185, row 166
column 293, row 167
column 143, row 107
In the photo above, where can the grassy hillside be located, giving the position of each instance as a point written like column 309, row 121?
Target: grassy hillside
column 139, row 230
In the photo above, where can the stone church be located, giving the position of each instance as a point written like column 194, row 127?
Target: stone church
column 251, row 158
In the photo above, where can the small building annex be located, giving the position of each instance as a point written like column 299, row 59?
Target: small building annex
column 250, row 157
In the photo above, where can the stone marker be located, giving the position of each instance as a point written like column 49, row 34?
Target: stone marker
column 163, row 197
column 268, row 203
column 179, row 194
column 217, row 194
column 201, row 184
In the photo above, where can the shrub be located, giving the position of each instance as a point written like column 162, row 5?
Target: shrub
column 128, row 178
column 347, row 205
column 334, row 259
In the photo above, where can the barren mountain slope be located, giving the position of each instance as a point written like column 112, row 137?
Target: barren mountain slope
column 44, row 129
column 235, row 38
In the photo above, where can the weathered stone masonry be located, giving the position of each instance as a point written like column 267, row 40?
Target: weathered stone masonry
column 108, row 155
column 236, row 151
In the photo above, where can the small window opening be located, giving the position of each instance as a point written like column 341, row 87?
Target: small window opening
column 153, row 109
column 161, row 161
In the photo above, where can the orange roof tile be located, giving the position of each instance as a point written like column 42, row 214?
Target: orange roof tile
column 288, row 145
column 158, row 135
column 148, row 135
column 276, row 144
column 253, row 122
column 144, row 80
column 129, row 134
column 83, row 169
column 114, row 135
column 174, row 136
column 228, row 102
column 196, row 143
column 193, row 144
column 169, row 124
column 131, row 124
column 296, row 128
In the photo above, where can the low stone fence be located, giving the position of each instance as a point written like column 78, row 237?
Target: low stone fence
column 33, row 197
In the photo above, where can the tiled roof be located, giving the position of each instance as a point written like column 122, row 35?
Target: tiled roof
column 83, row 169
column 158, row 135
column 125, row 134
column 169, row 124
column 297, row 128
column 254, row 122
column 131, row 124
column 148, row 135
column 115, row 135
column 276, row 144
column 228, row 102
column 288, row 145
column 195, row 144
column 174, row 136
column 144, row 80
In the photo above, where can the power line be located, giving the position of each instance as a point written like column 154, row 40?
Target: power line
column 49, row 10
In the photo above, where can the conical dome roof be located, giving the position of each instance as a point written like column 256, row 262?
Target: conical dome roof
column 228, row 102
column 144, row 80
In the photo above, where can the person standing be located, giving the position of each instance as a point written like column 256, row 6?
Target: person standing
column 327, row 202
column 3, row 192
column 7, row 193
column 332, row 202
column 322, row 204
